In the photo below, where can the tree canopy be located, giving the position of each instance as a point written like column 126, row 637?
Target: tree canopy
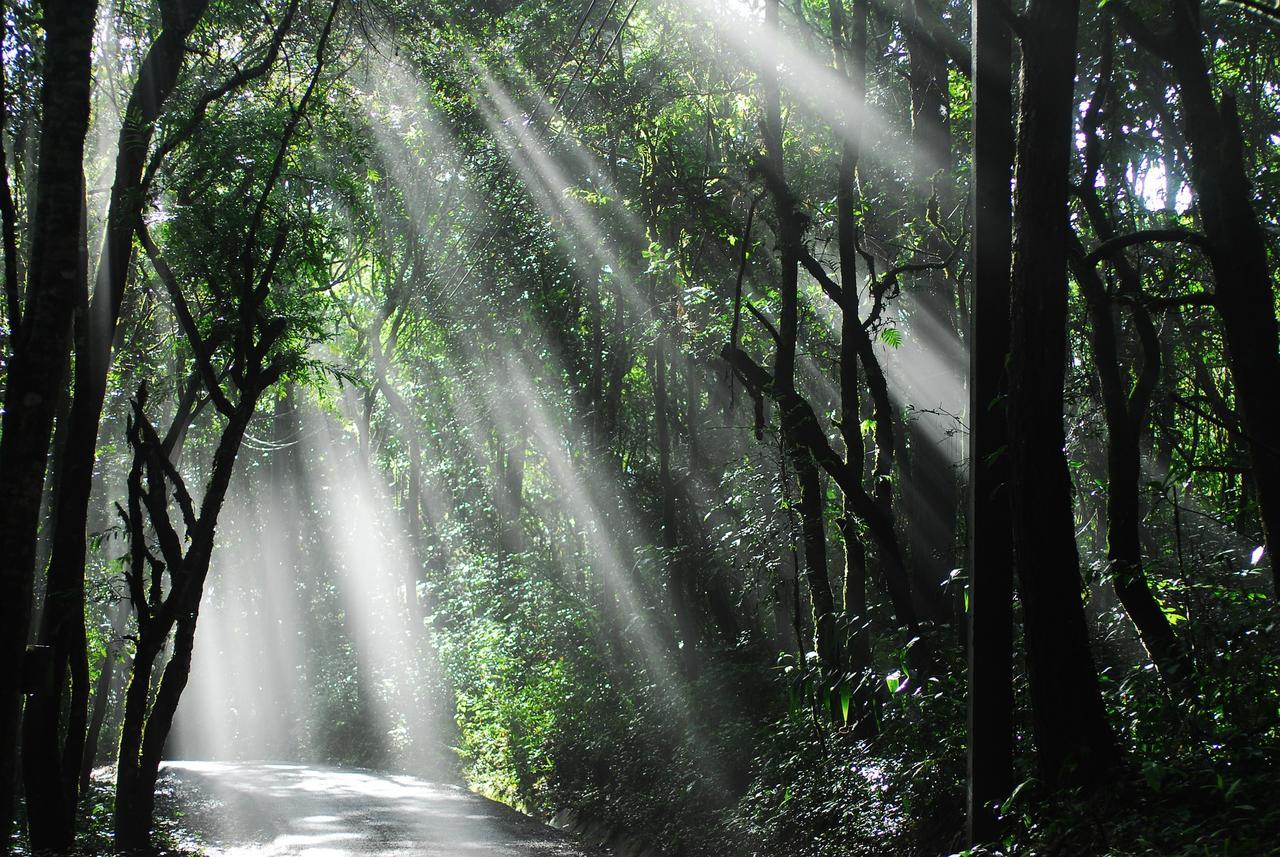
column 742, row 427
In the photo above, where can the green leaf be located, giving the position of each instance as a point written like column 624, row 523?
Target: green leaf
column 891, row 337
column 1009, row 802
column 846, row 696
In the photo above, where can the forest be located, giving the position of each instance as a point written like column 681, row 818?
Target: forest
column 710, row 427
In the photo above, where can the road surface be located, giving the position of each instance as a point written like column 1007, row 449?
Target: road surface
column 272, row 810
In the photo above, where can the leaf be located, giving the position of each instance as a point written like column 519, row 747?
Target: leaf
column 893, row 680
column 846, row 696
column 891, row 337
column 1256, row 556
column 1009, row 802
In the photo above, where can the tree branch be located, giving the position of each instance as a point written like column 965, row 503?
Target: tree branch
column 815, row 269
column 199, row 349
column 233, row 83
column 1112, row 246
column 768, row 325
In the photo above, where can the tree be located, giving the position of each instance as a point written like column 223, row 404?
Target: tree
column 991, row 706
column 52, row 772
column 1236, row 247
column 258, row 352
column 1073, row 738
column 40, row 343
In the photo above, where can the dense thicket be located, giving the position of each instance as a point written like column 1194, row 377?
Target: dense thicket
column 742, row 427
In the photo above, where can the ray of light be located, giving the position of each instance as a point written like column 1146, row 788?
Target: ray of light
column 813, row 82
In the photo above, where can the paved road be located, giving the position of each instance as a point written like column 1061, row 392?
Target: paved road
column 271, row 810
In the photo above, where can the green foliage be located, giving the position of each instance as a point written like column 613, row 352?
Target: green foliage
column 488, row 236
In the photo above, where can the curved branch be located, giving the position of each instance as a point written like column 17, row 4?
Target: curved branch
column 1112, row 246
column 228, row 86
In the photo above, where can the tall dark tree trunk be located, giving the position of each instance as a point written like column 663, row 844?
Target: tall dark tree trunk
column 990, row 726
column 927, row 80
column 53, row 767
column 611, row 410
column 55, row 284
column 131, row 811
column 1125, row 417
column 1072, row 734
column 136, row 795
column 596, row 354
column 1244, row 294
column 8, row 226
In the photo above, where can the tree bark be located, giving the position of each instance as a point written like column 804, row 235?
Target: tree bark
column 53, row 771
column 1073, row 737
column 145, row 731
column 930, row 486
column 56, row 283
column 1125, row 412
column 1125, row 416
column 990, row 561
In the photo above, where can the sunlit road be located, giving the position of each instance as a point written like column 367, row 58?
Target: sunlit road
column 276, row 809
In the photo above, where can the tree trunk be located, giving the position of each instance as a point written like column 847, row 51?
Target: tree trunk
column 595, row 353
column 813, row 525
column 132, row 819
column 930, row 487
column 1125, row 412
column 611, row 410
column 1072, row 734
column 39, row 349
column 1237, row 251
column 145, row 732
column 511, row 496
column 1125, row 417
column 927, row 79
column 990, row 561
column 849, row 42
column 62, row 625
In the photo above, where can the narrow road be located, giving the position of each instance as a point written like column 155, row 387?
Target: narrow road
column 271, row 810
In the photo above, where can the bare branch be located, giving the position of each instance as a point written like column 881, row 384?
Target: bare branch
column 1112, row 246
column 760, row 317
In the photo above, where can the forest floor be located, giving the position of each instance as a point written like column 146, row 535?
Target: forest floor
column 271, row 810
